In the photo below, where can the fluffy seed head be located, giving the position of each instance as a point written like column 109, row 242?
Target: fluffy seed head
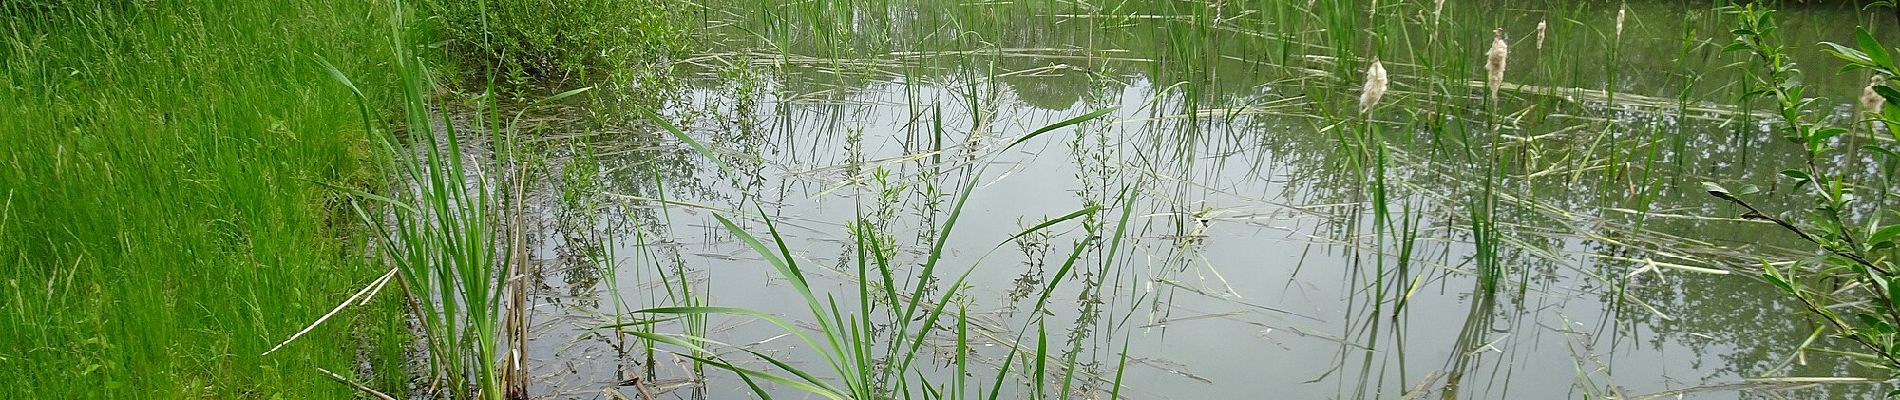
column 1494, row 61
column 1870, row 100
column 1619, row 19
column 1540, row 35
column 1375, row 86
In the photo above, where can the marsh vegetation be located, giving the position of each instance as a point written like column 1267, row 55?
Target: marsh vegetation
column 949, row 200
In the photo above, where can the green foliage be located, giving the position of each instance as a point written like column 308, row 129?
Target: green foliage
column 524, row 40
column 1866, row 310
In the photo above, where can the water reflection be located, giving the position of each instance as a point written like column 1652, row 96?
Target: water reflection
column 1543, row 246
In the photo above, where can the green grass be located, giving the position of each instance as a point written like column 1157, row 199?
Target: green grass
column 168, row 212
column 163, row 222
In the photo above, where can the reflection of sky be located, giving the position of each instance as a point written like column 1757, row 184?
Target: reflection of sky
column 1283, row 232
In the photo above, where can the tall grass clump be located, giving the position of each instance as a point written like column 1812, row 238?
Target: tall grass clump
column 871, row 344
column 162, row 222
column 450, row 226
column 1853, row 242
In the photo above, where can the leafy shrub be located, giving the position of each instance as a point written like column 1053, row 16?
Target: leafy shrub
column 523, row 40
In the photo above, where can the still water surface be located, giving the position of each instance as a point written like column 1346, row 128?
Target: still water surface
column 1255, row 262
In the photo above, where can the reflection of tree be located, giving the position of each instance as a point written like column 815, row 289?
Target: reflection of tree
column 1056, row 90
column 1222, row 61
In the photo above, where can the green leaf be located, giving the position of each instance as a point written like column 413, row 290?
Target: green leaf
column 1798, row 175
column 563, row 95
column 1875, row 52
column 1855, row 57
column 1090, row 210
column 1717, row 190
column 1885, row 234
column 1827, row 133
column 1887, row 92
column 1059, row 125
column 688, row 140
column 806, row 387
column 1893, row 293
column 1774, row 276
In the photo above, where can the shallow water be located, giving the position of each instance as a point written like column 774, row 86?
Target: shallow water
column 1255, row 262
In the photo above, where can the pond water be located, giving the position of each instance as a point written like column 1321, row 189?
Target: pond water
column 1250, row 238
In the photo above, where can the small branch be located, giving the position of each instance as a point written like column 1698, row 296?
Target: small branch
column 372, row 289
column 1754, row 213
column 358, row 386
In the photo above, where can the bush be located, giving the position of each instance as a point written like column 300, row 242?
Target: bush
column 524, row 40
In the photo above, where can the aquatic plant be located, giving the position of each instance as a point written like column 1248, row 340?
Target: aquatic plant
column 1494, row 61
column 1867, row 310
column 1870, row 100
column 872, row 356
column 1540, row 34
column 520, row 41
column 1374, row 88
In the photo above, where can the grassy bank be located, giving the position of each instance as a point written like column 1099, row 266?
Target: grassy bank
column 161, row 219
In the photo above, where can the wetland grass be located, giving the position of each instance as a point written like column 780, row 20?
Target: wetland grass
column 163, row 223
column 873, row 355
column 1543, row 181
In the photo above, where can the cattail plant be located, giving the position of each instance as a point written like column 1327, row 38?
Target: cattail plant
column 1872, row 102
column 1540, row 34
column 1619, row 19
column 1375, row 86
column 1494, row 62
column 1437, row 13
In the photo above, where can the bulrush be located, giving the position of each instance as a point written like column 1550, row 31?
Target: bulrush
column 1619, row 19
column 1540, row 35
column 1375, row 86
column 1872, row 102
column 1494, row 62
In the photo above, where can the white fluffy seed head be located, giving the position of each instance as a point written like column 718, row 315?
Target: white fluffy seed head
column 1494, row 61
column 1870, row 100
column 1375, row 86
column 1619, row 19
column 1540, row 35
